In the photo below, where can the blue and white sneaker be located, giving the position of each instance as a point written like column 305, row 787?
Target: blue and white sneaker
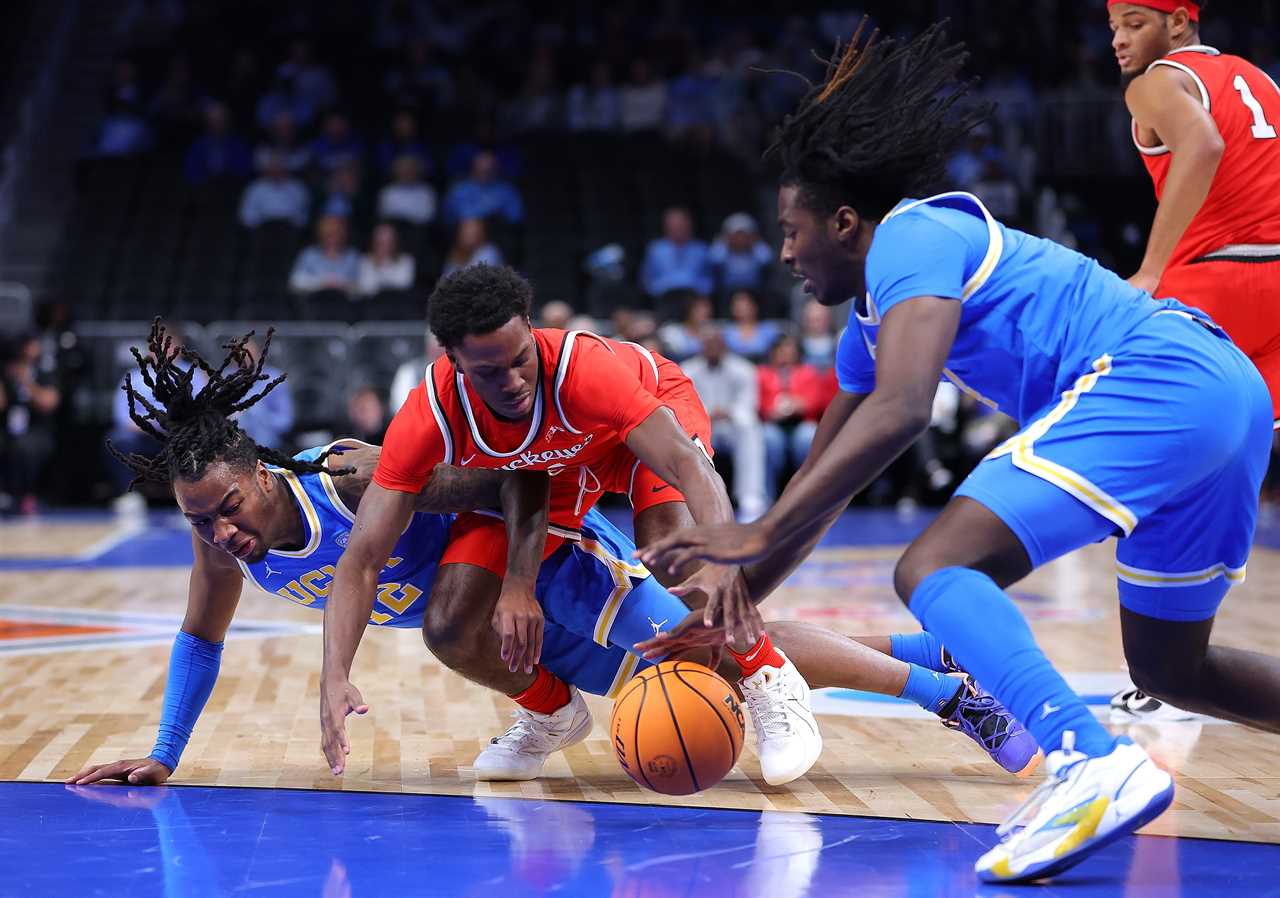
column 1084, row 804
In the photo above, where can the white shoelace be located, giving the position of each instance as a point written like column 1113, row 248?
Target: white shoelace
column 1029, row 808
column 767, row 704
column 526, row 733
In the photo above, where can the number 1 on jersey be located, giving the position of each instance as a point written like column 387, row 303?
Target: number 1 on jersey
column 1261, row 129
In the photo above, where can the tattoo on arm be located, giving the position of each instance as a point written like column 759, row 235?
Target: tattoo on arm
column 453, row 490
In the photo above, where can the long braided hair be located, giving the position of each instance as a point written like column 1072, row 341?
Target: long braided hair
column 196, row 428
column 880, row 126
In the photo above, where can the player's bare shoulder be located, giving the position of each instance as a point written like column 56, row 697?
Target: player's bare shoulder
column 1162, row 98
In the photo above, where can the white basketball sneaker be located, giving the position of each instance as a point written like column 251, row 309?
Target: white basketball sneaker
column 1083, row 804
column 520, row 752
column 787, row 737
column 1135, row 706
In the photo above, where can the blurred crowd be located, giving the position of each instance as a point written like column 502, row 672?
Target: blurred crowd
column 379, row 127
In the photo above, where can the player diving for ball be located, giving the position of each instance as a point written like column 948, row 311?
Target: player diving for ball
column 281, row 523
column 1140, row 419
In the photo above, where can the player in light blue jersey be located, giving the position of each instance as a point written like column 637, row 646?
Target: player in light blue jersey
column 1140, row 420
column 282, row 523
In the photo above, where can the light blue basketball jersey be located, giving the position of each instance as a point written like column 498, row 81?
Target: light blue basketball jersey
column 1036, row 316
column 598, row 602
column 305, row 575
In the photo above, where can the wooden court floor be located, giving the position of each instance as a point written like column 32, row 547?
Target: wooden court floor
column 66, row 704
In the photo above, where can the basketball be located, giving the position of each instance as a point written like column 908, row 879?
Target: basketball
column 677, row 728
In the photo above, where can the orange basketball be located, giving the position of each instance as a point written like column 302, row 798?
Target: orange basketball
column 677, row 728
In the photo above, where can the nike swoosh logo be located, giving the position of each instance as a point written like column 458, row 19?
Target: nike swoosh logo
column 665, row 486
column 467, row 460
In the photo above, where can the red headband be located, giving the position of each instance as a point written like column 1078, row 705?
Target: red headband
column 1193, row 9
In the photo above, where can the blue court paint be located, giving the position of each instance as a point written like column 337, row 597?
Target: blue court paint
column 195, row 842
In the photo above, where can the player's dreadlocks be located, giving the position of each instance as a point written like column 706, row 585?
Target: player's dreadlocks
column 881, row 125
column 195, row 429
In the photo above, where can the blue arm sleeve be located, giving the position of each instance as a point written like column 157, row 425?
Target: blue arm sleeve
column 915, row 254
column 193, row 669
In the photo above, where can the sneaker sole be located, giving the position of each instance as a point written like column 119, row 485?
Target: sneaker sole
column 1121, row 716
column 1154, row 808
column 1031, row 765
column 510, row 776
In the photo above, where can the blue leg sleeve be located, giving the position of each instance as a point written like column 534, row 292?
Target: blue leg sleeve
column 988, row 635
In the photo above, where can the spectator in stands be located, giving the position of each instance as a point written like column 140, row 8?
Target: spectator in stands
column 555, row 314
column 283, row 141
column 343, row 194
column 690, row 97
column 329, row 264
column 643, row 99
column 484, row 138
column 726, row 384
column 276, row 196
column 676, row 261
column 998, row 191
column 410, row 373
column 538, row 106
column 639, row 327
column 608, row 285
column 739, row 258
column 483, row 194
column 366, row 416
column 218, row 154
column 337, row 144
column 793, row 396
column 124, row 130
column 817, row 335
column 283, row 99
column 270, row 419
column 29, row 402
column 596, row 105
column 968, row 163
column 404, row 141
column 746, row 334
column 471, row 246
column 313, row 81
column 407, row 198
column 683, row 338
column 384, row 267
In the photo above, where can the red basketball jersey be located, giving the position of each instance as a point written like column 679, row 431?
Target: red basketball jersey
column 1243, row 205
column 593, row 392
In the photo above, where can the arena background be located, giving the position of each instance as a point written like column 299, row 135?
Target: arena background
column 135, row 131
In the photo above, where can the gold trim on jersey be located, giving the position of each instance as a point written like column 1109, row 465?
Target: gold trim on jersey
column 331, row 489
column 309, row 514
column 622, row 572
column 626, row 670
column 1162, row 579
column 1021, row 448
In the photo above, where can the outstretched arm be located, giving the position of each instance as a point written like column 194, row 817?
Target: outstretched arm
column 382, row 517
column 1166, row 99
column 212, row 597
column 767, row 574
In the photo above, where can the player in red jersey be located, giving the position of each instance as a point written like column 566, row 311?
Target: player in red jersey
column 596, row 414
column 1206, row 125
